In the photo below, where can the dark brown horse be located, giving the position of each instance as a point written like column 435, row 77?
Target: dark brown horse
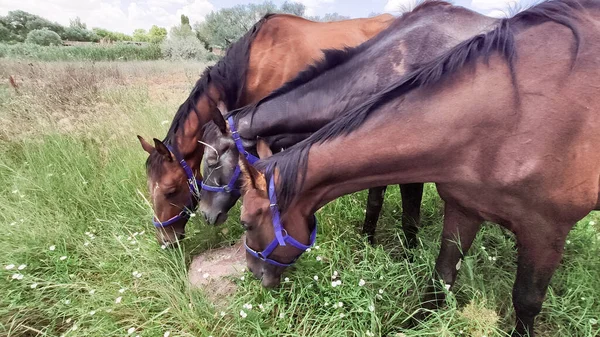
column 511, row 120
column 272, row 52
column 286, row 115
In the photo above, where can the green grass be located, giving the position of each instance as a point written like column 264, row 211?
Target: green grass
column 113, row 52
column 81, row 189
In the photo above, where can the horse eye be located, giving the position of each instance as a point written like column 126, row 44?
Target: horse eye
column 246, row 226
column 170, row 194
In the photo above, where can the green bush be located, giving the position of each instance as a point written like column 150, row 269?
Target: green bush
column 92, row 52
column 43, row 37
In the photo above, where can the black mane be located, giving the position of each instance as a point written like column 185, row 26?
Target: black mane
column 332, row 58
column 228, row 75
column 291, row 165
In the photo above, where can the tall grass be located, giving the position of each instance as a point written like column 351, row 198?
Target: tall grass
column 80, row 190
column 95, row 52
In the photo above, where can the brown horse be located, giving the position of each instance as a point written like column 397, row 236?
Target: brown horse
column 511, row 137
column 285, row 116
column 272, row 52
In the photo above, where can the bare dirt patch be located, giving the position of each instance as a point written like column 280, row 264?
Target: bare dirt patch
column 213, row 270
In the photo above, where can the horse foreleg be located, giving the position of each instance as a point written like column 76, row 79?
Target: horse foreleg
column 460, row 228
column 374, row 204
column 412, row 194
column 540, row 252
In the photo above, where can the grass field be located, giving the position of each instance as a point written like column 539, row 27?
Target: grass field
column 79, row 256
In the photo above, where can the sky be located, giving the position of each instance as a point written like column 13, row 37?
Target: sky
column 127, row 15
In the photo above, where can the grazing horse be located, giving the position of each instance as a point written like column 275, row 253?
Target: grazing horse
column 286, row 115
column 511, row 119
column 272, row 52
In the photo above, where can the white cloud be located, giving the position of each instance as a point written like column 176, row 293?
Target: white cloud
column 313, row 5
column 113, row 14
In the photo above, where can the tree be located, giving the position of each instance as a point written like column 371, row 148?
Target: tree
column 185, row 20
column 77, row 31
column 332, row 17
column 222, row 27
column 295, row 8
column 158, row 34
column 111, row 36
column 43, row 37
column 183, row 44
column 20, row 23
column 140, row 35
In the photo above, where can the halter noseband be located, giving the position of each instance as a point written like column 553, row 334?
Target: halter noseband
column 230, row 187
column 193, row 184
column 282, row 238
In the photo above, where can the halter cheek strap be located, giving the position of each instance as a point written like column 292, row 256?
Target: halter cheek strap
column 193, row 184
column 282, row 238
column 230, row 187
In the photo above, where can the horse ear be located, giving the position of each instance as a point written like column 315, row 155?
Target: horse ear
column 263, row 149
column 145, row 145
column 163, row 149
column 251, row 177
column 220, row 121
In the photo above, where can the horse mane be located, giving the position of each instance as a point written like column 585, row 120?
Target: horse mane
column 331, row 59
column 228, row 75
column 291, row 165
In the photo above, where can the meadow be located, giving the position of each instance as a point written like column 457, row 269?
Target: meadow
column 79, row 257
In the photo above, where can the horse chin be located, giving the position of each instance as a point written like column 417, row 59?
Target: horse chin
column 220, row 219
column 270, row 282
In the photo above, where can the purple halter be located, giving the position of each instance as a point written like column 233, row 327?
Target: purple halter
column 281, row 235
column 193, row 184
column 230, row 187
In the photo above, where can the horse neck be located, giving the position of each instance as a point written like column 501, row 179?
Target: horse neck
column 311, row 106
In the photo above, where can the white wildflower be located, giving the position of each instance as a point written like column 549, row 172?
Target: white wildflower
column 340, row 304
column 287, row 279
column 361, row 283
column 62, row 258
column 130, row 330
column 308, row 250
column 92, row 313
column 9, row 267
column 381, row 291
column 316, row 277
column 74, row 327
column 261, row 307
column 247, row 306
column 118, row 299
column 192, row 215
column 92, row 292
column 447, row 286
column 53, row 247
column 317, row 247
column 205, row 275
column 243, row 314
column 122, row 290
column 167, row 334
column 21, row 267
column 223, row 313
column 67, row 302
column 17, row 276
column 342, row 315
column 592, row 223
column 242, row 278
column 87, row 243
column 568, row 242
column 281, row 315
column 319, row 258
column 371, row 308
column 370, row 334
column 593, row 321
column 33, row 285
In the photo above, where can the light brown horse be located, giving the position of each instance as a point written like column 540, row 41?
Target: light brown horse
column 272, row 52
column 511, row 121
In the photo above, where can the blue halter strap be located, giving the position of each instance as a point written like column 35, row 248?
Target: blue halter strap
column 230, row 187
column 193, row 184
column 282, row 238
